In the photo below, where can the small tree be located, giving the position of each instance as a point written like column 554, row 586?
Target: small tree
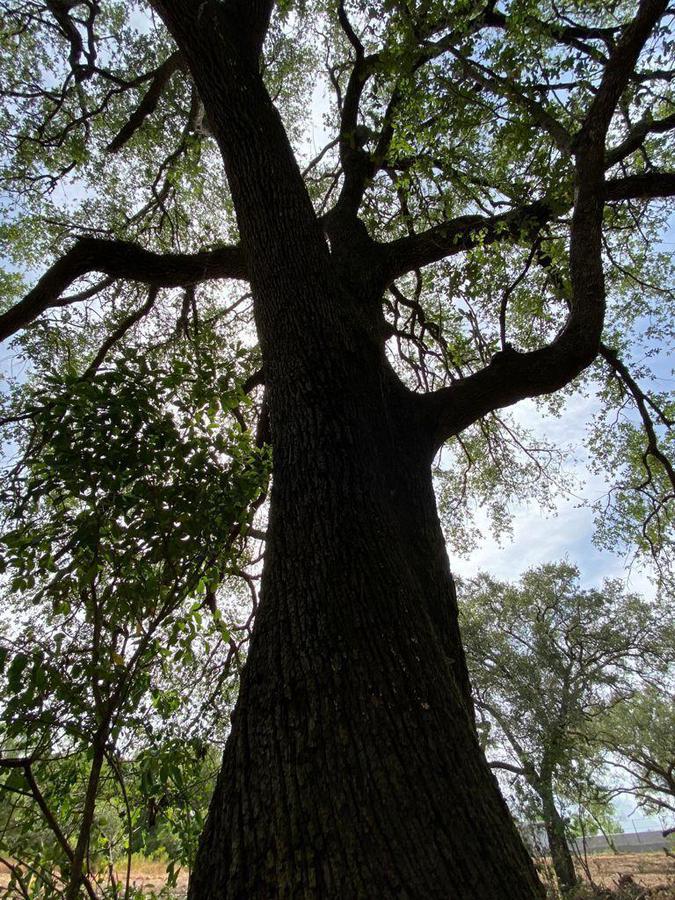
column 546, row 660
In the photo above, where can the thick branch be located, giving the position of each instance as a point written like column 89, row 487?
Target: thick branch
column 507, row 767
column 120, row 259
column 646, row 186
column 253, row 18
column 149, row 102
column 61, row 12
column 618, row 71
column 271, row 200
column 636, row 138
column 506, row 87
column 461, row 234
column 356, row 164
column 512, row 376
column 571, row 35
column 348, row 29
column 465, row 232
column 359, row 165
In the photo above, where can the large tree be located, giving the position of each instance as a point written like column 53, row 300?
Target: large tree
column 517, row 139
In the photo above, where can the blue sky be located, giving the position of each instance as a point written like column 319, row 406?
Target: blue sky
column 541, row 536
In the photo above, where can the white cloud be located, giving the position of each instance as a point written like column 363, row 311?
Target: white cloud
column 540, row 535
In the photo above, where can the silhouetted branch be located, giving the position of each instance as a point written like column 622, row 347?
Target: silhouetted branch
column 120, row 259
column 148, row 104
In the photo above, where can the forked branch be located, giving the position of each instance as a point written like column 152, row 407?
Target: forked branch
column 120, row 259
column 511, row 375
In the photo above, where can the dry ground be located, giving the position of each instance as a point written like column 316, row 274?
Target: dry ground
column 648, row 870
column 632, row 875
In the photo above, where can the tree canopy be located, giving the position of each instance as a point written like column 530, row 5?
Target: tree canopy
column 451, row 131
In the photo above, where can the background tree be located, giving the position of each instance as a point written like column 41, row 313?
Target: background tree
column 641, row 738
column 548, row 662
column 437, row 260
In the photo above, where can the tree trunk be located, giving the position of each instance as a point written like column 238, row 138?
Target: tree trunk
column 353, row 769
column 561, row 856
column 76, row 873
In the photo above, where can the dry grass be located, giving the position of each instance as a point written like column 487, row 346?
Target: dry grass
column 648, row 869
column 151, row 877
column 625, row 876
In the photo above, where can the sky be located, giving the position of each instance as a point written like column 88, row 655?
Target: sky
column 540, row 535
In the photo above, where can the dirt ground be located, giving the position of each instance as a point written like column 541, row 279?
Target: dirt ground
column 611, row 871
column 149, row 876
column 647, row 869
column 152, row 877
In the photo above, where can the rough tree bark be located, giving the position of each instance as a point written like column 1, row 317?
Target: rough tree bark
column 561, row 857
column 353, row 768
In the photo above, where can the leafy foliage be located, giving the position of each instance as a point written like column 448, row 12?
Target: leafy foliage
column 123, row 520
column 553, row 666
column 462, row 112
